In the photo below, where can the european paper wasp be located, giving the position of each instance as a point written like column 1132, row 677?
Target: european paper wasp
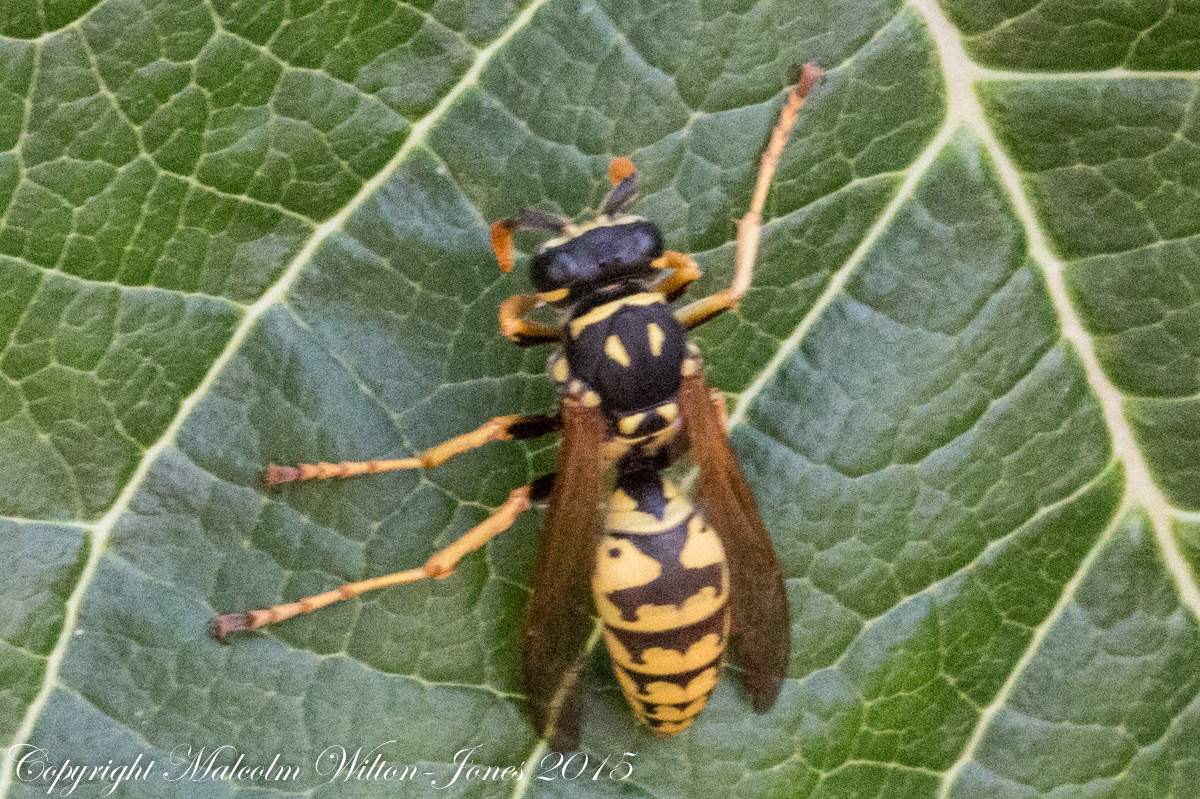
column 671, row 582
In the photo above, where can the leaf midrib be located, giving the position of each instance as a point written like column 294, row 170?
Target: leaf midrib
column 964, row 109
column 961, row 75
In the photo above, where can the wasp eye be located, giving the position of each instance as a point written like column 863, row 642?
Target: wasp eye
column 554, row 269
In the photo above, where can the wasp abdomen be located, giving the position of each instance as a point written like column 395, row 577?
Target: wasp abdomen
column 661, row 583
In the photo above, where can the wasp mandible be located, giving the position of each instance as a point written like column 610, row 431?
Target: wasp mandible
column 671, row 582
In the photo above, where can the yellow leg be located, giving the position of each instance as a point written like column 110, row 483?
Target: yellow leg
column 683, row 272
column 523, row 331
column 440, row 565
column 502, row 428
column 749, row 226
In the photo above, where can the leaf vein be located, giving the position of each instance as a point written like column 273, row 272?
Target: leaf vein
column 966, row 109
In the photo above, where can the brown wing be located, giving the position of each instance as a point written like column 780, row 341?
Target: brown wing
column 761, row 634
column 560, row 619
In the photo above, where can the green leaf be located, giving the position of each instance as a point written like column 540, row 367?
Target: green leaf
column 964, row 384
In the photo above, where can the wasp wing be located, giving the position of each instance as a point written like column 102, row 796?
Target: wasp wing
column 560, row 619
column 761, row 626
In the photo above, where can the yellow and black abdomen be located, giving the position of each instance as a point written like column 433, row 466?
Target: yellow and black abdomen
column 661, row 585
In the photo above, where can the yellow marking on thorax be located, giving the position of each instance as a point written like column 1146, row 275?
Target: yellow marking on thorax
column 668, row 411
column 656, row 618
column 562, row 370
column 662, row 437
column 657, row 337
column 615, row 350
column 703, row 546
column 554, row 296
column 602, row 312
column 574, row 231
column 659, row 660
column 629, row 424
column 617, row 446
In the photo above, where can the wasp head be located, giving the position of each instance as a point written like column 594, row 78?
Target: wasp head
column 609, row 249
column 601, row 252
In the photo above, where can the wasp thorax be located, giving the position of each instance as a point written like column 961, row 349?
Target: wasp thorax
column 597, row 254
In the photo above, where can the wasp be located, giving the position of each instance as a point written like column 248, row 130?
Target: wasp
column 672, row 581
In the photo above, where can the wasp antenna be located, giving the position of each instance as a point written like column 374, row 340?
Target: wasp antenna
column 536, row 220
column 502, row 243
column 620, row 196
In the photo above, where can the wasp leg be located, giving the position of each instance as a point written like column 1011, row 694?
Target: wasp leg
column 440, row 565
column 502, row 428
column 523, row 331
column 749, row 226
column 683, row 272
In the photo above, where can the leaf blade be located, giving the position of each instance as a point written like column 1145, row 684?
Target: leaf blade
column 939, row 441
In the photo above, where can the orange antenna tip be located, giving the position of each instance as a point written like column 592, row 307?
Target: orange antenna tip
column 502, row 243
column 619, row 169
